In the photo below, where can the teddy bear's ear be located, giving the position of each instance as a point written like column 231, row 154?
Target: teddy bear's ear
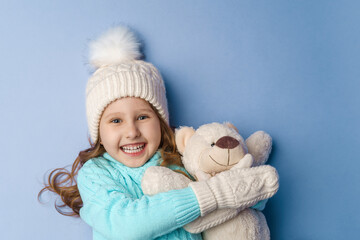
column 230, row 125
column 182, row 135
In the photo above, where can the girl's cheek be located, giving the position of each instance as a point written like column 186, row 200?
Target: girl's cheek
column 106, row 133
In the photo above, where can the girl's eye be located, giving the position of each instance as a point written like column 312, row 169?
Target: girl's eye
column 116, row 121
column 213, row 144
column 142, row 117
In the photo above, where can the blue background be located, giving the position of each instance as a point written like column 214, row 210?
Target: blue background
column 290, row 68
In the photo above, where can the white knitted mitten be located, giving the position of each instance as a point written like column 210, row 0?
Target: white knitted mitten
column 238, row 188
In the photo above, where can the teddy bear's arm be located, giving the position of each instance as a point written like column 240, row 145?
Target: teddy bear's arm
column 161, row 179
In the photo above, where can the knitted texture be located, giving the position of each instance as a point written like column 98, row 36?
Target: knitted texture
column 239, row 188
column 211, row 220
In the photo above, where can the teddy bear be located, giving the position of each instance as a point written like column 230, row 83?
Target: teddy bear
column 207, row 151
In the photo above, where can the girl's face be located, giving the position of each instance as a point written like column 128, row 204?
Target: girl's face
column 130, row 131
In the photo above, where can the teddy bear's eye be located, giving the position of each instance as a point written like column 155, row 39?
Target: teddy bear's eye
column 213, row 144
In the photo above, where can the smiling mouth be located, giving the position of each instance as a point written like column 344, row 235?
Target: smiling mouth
column 133, row 149
column 220, row 163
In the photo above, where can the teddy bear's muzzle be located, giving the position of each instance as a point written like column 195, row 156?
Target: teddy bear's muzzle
column 222, row 156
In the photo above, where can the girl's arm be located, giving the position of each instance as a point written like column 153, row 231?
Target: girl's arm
column 114, row 213
column 160, row 179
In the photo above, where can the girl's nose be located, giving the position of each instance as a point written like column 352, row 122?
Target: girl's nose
column 132, row 131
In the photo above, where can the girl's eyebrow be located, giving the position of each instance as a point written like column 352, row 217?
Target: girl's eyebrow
column 141, row 110
column 145, row 110
column 113, row 114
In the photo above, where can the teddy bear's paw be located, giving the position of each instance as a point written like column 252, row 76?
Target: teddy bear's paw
column 259, row 144
column 246, row 162
column 202, row 176
column 162, row 179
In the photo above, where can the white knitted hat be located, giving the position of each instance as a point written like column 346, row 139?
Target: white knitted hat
column 120, row 74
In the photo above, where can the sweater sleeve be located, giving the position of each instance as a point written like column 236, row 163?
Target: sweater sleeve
column 112, row 211
column 260, row 206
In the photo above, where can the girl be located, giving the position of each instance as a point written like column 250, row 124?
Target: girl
column 128, row 124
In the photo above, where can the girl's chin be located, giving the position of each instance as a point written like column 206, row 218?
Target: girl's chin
column 134, row 163
column 134, row 160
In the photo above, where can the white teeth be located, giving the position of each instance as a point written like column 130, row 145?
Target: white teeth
column 134, row 149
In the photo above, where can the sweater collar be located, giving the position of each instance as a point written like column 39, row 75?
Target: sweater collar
column 135, row 173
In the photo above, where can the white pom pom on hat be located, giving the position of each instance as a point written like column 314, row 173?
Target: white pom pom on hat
column 120, row 74
column 115, row 46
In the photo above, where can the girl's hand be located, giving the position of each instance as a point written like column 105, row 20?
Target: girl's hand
column 236, row 188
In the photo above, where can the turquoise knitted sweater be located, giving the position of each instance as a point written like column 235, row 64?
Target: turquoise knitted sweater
column 116, row 208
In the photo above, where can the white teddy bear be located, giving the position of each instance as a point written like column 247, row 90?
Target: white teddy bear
column 209, row 150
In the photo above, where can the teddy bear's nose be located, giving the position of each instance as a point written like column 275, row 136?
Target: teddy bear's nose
column 227, row 142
